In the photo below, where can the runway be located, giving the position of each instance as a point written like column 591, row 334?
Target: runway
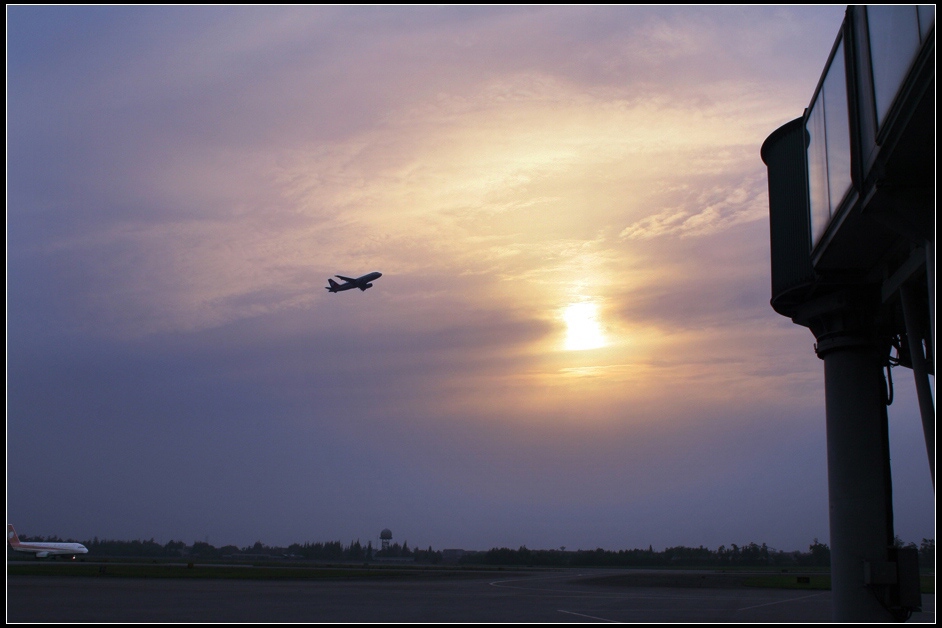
column 560, row 597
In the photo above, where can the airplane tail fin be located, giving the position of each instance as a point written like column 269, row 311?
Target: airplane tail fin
column 12, row 539
column 333, row 285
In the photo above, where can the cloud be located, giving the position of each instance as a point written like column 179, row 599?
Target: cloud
column 705, row 211
column 257, row 153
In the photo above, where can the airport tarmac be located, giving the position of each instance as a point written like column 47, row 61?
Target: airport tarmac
column 568, row 596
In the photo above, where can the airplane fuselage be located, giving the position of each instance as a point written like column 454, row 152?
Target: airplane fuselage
column 43, row 550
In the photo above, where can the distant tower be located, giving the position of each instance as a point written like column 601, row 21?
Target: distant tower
column 385, row 537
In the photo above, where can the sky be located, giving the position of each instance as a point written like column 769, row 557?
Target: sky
column 571, row 344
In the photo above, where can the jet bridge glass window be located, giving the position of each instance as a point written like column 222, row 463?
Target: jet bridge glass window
column 828, row 127
column 896, row 34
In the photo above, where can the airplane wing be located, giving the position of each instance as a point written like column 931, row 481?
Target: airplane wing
column 347, row 279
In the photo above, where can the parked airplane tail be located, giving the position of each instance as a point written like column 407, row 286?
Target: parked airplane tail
column 12, row 539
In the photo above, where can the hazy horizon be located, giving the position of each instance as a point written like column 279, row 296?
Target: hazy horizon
column 571, row 343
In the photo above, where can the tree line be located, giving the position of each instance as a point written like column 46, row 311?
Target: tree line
column 329, row 551
column 751, row 554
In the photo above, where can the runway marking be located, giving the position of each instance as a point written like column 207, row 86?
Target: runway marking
column 502, row 584
column 497, row 583
column 621, row 595
column 795, row 599
column 611, row 621
column 520, row 584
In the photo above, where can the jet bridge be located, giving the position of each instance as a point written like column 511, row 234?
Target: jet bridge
column 852, row 234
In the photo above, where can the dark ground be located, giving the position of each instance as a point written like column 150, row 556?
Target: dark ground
column 564, row 596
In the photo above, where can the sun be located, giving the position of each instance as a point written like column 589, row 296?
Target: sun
column 582, row 327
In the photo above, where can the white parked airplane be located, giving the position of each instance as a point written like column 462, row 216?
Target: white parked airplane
column 360, row 282
column 43, row 550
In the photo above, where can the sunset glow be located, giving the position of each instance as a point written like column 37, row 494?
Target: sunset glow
column 583, row 330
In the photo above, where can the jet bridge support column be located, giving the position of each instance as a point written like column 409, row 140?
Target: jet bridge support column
column 859, row 483
column 920, row 372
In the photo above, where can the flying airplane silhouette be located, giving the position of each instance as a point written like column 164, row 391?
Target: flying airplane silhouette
column 360, row 282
